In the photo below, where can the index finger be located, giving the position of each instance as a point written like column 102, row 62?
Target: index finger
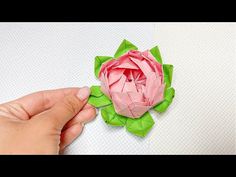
column 38, row 102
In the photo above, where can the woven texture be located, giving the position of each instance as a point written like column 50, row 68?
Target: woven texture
column 202, row 117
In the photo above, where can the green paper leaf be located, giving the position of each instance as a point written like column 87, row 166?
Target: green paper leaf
column 95, row 91
column 99, row 60
column 168, row 72
column 111, row 117
column 156, row 53
column 169, row 95
column 161, row 107
column 140, row 126
column 99, row 101
column 124, row 47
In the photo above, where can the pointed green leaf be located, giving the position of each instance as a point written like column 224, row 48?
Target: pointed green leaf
column 99, row 60
column 140, row 126
column 161, row 107
column 111, row 117
column 99, row 101
column 168, row 72
column 124, row 47
column 95, row 91
column 156, row 53
column 169, row 95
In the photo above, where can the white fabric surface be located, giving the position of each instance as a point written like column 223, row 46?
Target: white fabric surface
column 201, row 119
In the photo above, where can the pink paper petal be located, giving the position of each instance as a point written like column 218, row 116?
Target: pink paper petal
column 127, row 66
column 139, row 87
column 157, row 67
column 105, row 90
column 125, row 112
column 104, row 85
column 125, row 62
column 143, row 66
column 159, row 95
column 107, row 65
column 147, row 55
column 119, row 85
column 136, row 74
column 143, row 89
column 135, row 54
column 138, row 110
column 136, row 96
column 142, row 77
column 131, row 77
column 115, row 75
column 129, row 87
column 143, row 82
column 152, row 85
column 120, row 105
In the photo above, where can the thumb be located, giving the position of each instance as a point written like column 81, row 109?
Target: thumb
column 67, row 108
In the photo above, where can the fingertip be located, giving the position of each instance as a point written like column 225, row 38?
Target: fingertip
column 70, row 134
column 83, row 93
column 76, row 129
column 88, row 106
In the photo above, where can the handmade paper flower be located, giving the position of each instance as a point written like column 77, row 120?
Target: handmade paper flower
column 132, row 82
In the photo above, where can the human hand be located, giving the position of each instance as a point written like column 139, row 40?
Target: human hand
column 44, row 122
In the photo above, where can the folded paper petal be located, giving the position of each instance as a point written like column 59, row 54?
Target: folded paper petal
column 107, row 66
column 159, row 95
column 145, row 68
column 119, row 85
column 147, row 55
column 135, row 54
column 153, row 84
column 104, row 85
column 138, row 110
column 136, row 96
column 115, row 75
column 129, row 87
column 121, row 106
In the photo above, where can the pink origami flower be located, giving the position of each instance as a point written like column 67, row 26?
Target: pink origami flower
column 134, row 82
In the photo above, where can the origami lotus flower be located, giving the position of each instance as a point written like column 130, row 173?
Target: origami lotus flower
column 132, row 82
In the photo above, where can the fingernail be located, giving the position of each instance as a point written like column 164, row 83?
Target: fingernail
column 83, row 93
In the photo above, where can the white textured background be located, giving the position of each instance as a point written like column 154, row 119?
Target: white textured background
column 202, row 117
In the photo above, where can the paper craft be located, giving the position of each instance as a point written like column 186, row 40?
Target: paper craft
column 132, row 82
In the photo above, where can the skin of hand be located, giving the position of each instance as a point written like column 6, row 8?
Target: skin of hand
column 44, row 122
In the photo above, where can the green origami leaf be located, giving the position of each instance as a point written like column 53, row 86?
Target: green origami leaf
column 156, row 53
column 169, row 95
column 124, row 47
column 140, row 126
column 99, row 101
column 95, row 91
column 99, row 60
column 111, row 117
column 168, row 72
